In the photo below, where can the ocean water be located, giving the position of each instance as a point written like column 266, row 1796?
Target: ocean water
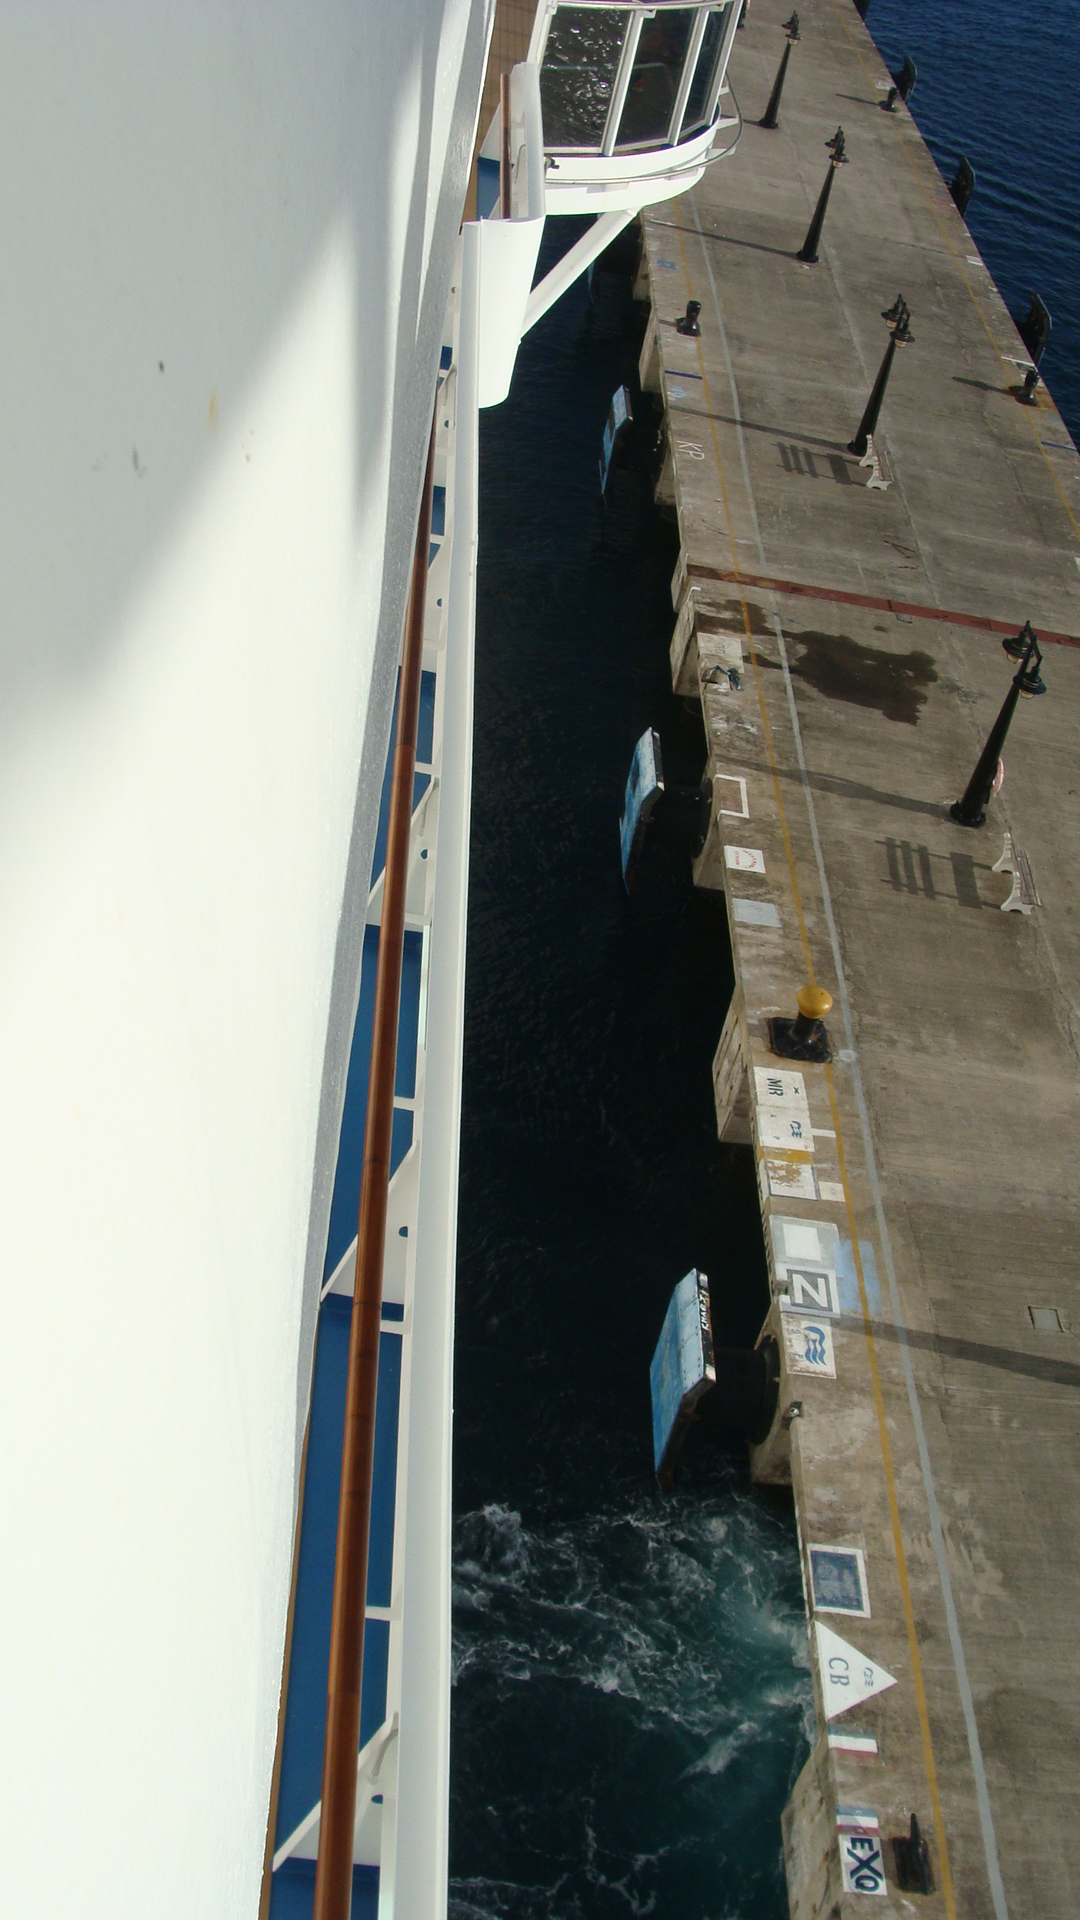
column 1001, row 84
column 631, row 1691
column 632, row 1701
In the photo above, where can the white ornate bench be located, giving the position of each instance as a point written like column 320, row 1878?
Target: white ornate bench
column 1025, row 893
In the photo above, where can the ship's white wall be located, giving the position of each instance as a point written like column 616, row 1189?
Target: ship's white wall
column 227, row 234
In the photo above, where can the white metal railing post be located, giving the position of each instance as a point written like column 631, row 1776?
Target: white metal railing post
column 722, row 64
column 689, row 68
column 420, row 1871
column 622, row 83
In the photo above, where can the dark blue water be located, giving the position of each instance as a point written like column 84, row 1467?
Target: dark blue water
column 1002, row 84
column 631, row 1699
column 631, row 1671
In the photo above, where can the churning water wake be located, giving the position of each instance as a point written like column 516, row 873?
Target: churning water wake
column 640, row 1671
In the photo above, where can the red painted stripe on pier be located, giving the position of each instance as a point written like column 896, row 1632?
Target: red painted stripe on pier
column 842, row 598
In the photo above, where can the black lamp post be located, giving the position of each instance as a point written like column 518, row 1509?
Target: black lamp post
column 971, row 810
column 808, row 252
column 898, row 316
column 768, row 118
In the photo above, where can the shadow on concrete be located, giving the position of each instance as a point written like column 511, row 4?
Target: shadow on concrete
column 858, row 790
column 729, row 240
column 1057, row 1373
column 844, row 789
column 982, row 386
column 786, row 433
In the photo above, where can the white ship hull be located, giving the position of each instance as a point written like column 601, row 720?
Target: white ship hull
column 229, row 237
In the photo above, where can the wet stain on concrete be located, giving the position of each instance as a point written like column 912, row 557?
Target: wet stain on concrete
column 726, row 616
column 844, row 669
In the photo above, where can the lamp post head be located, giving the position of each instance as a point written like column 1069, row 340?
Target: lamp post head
column 898, row 316
column 1025, row 649
column 1029, row 679
column 1017, row 646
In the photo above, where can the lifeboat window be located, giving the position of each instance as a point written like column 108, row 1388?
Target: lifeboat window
column 701, row 86
column 581, row 59
column 654, row 80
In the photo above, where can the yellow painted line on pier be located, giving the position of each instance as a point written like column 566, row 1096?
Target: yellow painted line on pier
column 871, row 1348
column 1033, row 423
column 894, row 1516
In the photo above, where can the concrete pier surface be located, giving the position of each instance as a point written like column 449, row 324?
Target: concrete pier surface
column 919, row 1191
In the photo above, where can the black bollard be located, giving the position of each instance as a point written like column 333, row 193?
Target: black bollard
column 805, row 1037
column 962, row 184
column 1027, row 681
column 898, row 316
column 768, row 118
column 808, row 252
column 689, row 322
column 914, row 1873
column 903, row 84
column 1034, row 332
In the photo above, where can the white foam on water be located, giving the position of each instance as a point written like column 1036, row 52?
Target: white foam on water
column 685, row 1616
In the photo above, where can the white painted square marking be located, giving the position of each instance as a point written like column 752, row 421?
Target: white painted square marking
column 745, row 859
column 809, row 1347
column 788, row 1178
column 853, row 1743
column 719, row 650
column 857, row 1820
column 831, row 1190
column 730, row 791
column 777, row 1129
column 838, row 1580
column 785, row 1091
column 1045, row 1319
column 755, row 913
column 862, row 1864
column 801, row 1242
column 811, row 1290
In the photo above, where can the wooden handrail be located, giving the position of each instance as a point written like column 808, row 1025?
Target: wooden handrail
column 333, row 1873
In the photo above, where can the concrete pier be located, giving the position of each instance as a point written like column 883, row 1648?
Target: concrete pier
column 919, row 1191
